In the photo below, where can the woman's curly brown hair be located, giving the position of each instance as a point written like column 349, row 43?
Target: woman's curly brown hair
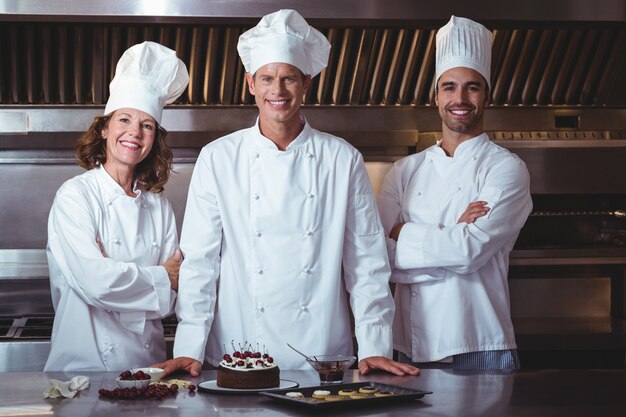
column 152, row 173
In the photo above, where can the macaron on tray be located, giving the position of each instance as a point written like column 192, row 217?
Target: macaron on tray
column 343, row 394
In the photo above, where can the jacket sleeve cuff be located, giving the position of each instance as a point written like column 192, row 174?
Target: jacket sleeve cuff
column 374, row 340
column 410, row 246
column 414, row 276
column 162, row 288
column 186, row 344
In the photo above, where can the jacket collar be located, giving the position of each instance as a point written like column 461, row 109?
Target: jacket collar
column 299, row 141
column 466, row 149
column 111, row 188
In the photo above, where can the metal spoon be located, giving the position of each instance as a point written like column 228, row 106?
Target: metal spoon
column 307, row 357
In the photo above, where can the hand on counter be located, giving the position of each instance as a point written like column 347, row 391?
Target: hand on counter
column 379, row 362
column 192, row 366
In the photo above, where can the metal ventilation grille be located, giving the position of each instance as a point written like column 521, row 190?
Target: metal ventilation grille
column 70, row 64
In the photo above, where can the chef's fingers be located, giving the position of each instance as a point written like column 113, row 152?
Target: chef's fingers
column 474, row 211
column 379, row 362
column 172, row 266
column 395, row 232
column 99, row 242
column 192, row 366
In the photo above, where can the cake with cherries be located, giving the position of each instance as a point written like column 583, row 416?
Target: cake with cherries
column 245, row 369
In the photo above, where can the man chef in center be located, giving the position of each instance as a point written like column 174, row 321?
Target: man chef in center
column 281, row 229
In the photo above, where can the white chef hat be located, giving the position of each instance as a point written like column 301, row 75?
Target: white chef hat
column 464, row 43
column 147, row 77
column 284, row 36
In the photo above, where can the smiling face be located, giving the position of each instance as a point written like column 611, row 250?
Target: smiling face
column 278, row 91
column 461, row 98
column 130, row 135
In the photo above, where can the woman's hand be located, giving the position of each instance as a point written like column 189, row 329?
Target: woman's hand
column 172, row 266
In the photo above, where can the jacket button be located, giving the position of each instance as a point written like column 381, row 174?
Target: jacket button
column 146, row 346
column 261, row 309
column 309, row 155
column 258, row 234
column 310, row 196
column 257, row 196
column 116, row 241
column 259, row 271
column 419, row 193
column 307, row 270
column 154, row 244
column 414, row 294
column 309, row 233
column 304, row 309
column 256, row 155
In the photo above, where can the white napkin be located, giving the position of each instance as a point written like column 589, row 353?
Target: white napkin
column 66, row 389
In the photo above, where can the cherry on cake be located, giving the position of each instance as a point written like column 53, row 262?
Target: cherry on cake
column 245, row 369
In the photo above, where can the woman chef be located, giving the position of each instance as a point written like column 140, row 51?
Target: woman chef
column 112, row 241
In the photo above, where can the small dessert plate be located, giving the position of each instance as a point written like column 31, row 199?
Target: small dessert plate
column 211, row 386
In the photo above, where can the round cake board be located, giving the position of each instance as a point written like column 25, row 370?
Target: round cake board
column 211, row 386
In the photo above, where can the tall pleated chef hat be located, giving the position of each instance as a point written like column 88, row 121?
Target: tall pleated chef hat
column 464, row 43
column 147, row 77
column 284, row 36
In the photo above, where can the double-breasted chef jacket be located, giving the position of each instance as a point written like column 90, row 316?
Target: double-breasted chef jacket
column 108, row 308
column 274, row 244
column 452, row 295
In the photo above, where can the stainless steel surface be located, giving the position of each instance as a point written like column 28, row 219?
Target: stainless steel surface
column 18, row 264
column 23, row 356
column 612, row 213
column 546, row 393
column 379, row 62
column 558, row 102
column 524, row 125
column 90, row 10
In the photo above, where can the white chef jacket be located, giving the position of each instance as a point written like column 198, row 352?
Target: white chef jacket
column 265, row 237
column 108, row 309
column 452, row 295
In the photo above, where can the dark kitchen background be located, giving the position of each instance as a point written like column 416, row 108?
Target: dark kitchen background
column 559, row 102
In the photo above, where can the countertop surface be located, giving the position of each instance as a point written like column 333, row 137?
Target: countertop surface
column 541, row 393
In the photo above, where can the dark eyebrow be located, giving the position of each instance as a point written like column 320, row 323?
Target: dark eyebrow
column 448, row 83
column 473, row 83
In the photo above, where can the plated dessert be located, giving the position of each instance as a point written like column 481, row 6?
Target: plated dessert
column 247, row 369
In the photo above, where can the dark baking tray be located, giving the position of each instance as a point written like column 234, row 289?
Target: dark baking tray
column 400, row 394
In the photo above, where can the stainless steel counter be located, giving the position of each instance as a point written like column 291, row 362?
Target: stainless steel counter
column 529, row 393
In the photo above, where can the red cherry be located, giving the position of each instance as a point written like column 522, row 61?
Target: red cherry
column 259, row 362
column 247, row 354
column 240, row 363
column 237, row 354
column 270, row 359
column 257, row 354
column 126, row 375
column 192, row 387
column 265, row 356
